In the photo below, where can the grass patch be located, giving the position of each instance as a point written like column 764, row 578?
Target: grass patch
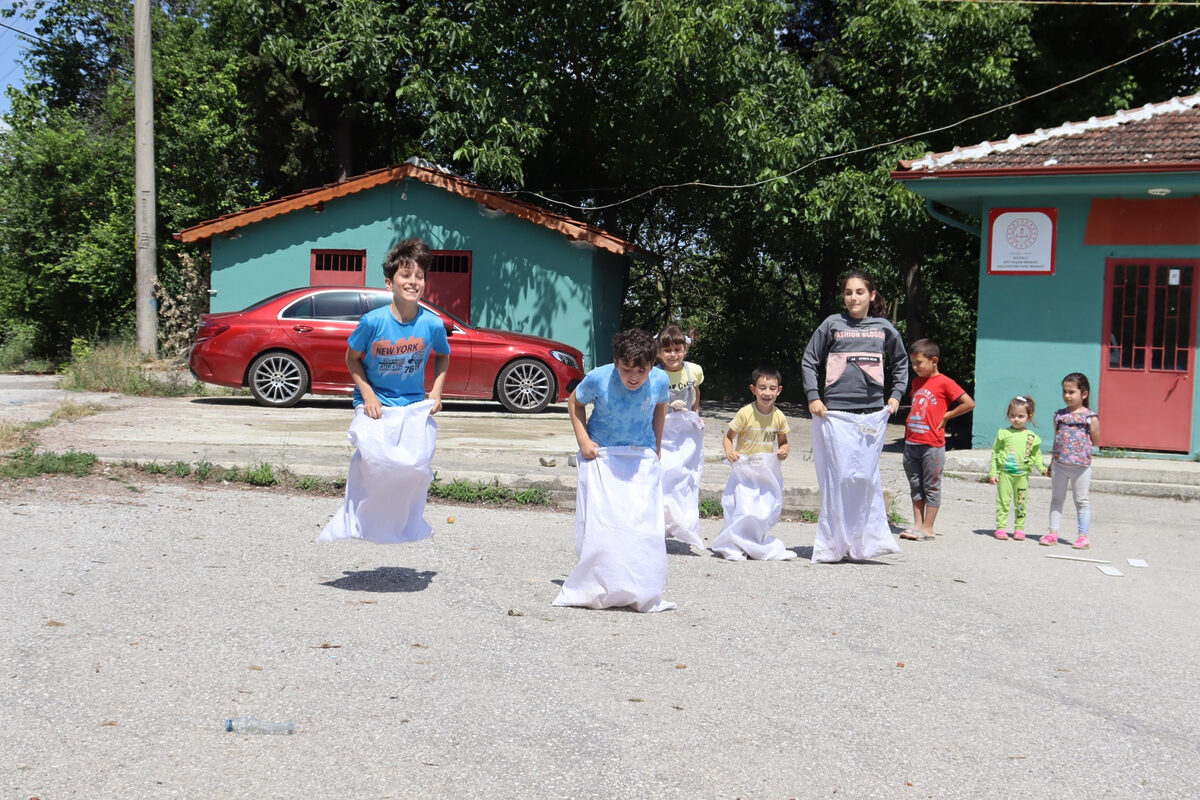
column 118, row 366
column 710, row 508
column 15, row 435
column 18, row 435
column 25, row 462
column 28, row 463
column 459, row 491
column 261, row 474
column 69, row 411
column 806, row 515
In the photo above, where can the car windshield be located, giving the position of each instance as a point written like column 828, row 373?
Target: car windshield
column 445, row 313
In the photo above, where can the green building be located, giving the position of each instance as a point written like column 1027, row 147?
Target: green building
column 500, row 263
column 1089, row 260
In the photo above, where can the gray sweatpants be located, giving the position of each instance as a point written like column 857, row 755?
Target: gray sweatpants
column 923, row 465
column 1079, row 478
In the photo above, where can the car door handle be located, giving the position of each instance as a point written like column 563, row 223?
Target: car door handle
column 302, row 328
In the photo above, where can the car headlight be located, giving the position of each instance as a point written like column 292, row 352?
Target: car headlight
column 565, row 358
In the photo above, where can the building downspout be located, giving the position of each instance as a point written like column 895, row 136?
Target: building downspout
column 951, row 221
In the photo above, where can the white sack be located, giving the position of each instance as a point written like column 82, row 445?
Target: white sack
column 619, row 533
column 682, row 463
column 389, row 477
column 753, row 501
column 853, row 520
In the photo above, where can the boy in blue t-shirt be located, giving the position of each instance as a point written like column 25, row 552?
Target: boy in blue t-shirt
column 387, row 352
column 619, row 524
column 628, row 398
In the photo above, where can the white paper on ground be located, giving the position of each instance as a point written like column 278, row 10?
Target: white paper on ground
column 1137, row 562
column 853, row 519
column 1109, row 570
column 682, row 464
column 1077, row 558
column 389, row 477
column 752, row 502
column 619, row 533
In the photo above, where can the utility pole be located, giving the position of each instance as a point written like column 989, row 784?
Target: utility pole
column 147, row 239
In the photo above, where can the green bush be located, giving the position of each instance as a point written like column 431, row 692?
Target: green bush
column 18, row 341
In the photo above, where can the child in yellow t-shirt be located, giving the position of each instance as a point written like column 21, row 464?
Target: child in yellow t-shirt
column 755, row 444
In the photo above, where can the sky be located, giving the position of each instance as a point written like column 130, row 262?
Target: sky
column 12, row 47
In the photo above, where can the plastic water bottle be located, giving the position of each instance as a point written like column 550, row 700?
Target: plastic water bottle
column 252, row 725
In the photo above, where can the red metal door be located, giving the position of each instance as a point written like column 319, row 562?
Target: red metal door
column 1148, row 369
column 337, row 268
column 448, row 283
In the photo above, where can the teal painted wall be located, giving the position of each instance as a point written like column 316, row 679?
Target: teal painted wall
column 1033, row 330
column 525, row 277
column 608, row 287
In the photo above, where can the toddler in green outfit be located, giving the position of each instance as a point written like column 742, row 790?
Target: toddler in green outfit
column 1015, row 453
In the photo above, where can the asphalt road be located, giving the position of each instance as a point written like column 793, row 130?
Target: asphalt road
column 137, row 617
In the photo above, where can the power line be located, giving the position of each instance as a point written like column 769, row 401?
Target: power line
column 868, row 148
column 26, row 34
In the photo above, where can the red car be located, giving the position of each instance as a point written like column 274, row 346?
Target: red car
column 295, row 342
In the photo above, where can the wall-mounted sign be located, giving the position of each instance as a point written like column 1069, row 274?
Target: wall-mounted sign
column 1021, row 241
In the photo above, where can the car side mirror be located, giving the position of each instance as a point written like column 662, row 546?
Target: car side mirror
column 449, row 327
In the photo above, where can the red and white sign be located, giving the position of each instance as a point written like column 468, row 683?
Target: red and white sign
column 1021, row 241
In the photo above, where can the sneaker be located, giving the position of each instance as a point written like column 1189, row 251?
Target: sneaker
column 1018, row 536
column 1001, row 533
column 1082, row 542
column 1049, row 538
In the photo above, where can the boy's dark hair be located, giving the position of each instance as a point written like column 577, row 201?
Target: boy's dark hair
column 1080, row 380
column 925, row 347
column 635, row 347
column 410, row 251
column 674, row 335
column 766, row 371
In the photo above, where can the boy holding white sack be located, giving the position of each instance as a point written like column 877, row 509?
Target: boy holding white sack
column 393, row 430
column 682, row 451
column 753, row 499
column 619, row 518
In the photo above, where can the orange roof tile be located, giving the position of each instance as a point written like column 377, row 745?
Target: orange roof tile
column 310, row 198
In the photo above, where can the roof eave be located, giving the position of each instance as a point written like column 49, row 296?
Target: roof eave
column 572, row 229
column 1039, row 172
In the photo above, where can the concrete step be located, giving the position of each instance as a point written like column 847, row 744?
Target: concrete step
column 1175, row 479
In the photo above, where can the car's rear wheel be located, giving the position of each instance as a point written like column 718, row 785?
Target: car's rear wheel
column 278, row 380
column 525, row 386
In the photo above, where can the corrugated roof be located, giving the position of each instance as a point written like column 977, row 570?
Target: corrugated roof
column 312, row 198
column 1155, row 137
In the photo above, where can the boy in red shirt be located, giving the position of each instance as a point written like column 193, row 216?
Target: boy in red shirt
column 936, row 399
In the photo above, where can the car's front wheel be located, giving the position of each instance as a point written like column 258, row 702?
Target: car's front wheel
column 525, row 386
column 278, row 380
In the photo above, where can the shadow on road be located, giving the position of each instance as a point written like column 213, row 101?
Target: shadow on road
column 383, row 579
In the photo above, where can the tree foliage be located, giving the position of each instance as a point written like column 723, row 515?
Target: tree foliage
column 798, row 111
